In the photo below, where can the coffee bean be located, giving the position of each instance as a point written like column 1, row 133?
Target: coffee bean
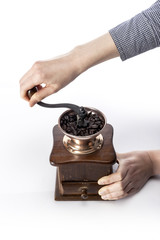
column 91, row 131
column 74, row 131
column 64, row 127
column 96, row 118
column 86, row 133
column 73, row 125
column 98, row 122
column 71, row 119
column 92, row 119
column 71, row 114
column 101, row 118
column 66, row 117
column 94, row 124
column 69, row 130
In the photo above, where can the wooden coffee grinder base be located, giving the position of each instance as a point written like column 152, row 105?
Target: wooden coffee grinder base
column 77, row 175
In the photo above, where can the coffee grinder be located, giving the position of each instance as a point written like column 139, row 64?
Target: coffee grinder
column 81, row 160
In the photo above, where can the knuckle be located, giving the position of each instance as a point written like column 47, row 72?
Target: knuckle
column 109, row 196
column 122, row 191
column 55, row 88
column 21, row 82
column 120, row 176
column 40, row 74
column 22, row 91
column 106, row 190
column 21, row 94
column 36, row 65
column 121, row 187
column 36, row 81
column 51, row 91
column 38, row 77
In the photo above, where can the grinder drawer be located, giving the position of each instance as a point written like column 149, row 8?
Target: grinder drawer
column 84, row 189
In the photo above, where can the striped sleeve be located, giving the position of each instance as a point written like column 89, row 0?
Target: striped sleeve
column 139, row 34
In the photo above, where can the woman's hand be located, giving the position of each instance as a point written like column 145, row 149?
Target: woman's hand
column 135, row 168
column 57, row 73
column 52, row 75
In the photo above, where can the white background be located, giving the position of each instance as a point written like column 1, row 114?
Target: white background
column 127, row 92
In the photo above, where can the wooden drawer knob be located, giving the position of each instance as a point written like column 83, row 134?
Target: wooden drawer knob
column 84, row 194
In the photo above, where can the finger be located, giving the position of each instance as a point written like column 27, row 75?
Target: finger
column 120, row 196
column 23, row 80
column 114, row 196
column 114, row 177
column 26, row 75
column 31, row 81
column 23, row 92
column 36, row 66
column 41, row 94
column 114, row 187
column 128, row 187
column 128, row 191
column 132, row 191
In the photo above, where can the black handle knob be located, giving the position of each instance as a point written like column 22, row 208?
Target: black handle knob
column 32, row 91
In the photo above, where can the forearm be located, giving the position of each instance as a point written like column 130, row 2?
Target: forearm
column 135, row 36
column 95, row 52
column 155, row 158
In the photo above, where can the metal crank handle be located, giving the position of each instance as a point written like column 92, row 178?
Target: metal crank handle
column 79, row 110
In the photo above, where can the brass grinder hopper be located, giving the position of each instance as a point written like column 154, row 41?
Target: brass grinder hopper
column 83, row 144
